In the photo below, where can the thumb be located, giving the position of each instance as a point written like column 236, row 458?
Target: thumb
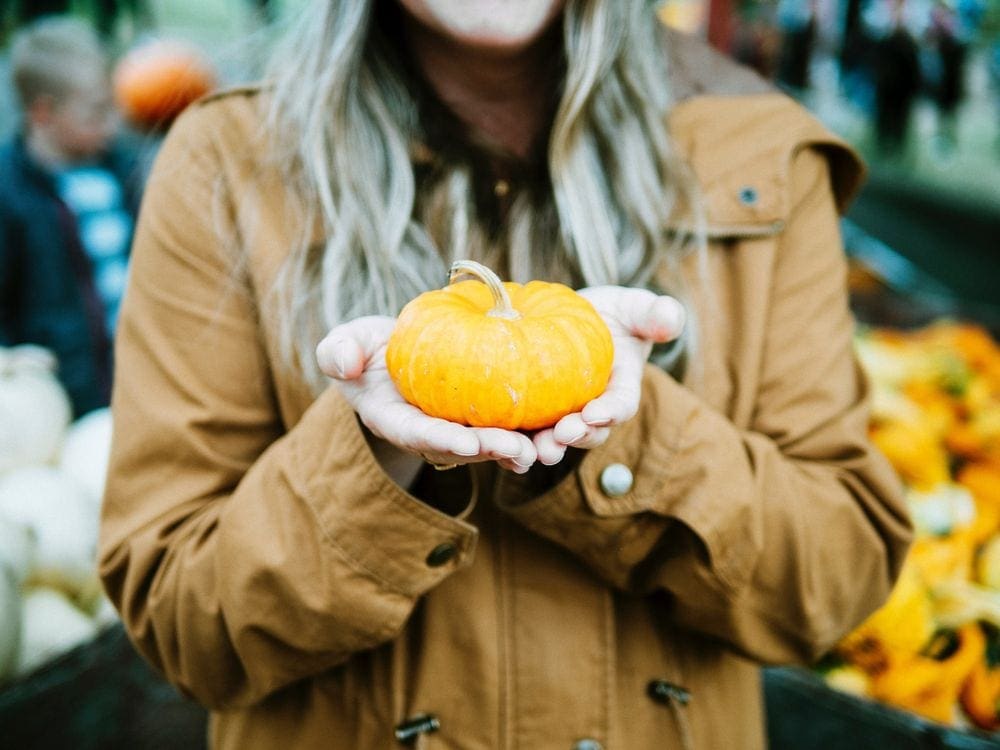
column 344, row 353
column 656, row 318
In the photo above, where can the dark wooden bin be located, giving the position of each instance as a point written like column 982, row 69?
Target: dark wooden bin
column 99, row 696
column 803, row 712
column 102, row 695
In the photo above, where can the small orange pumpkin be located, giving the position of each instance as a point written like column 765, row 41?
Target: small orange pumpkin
column 154, row 82
column 491, row 354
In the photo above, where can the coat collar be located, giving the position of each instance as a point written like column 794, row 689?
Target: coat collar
column 740, row 150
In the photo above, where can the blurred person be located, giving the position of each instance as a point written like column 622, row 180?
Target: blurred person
column 324, row 565
column 756, row 43
column 896, row 70
column 994, row 72
column 31, row 10
column 798, row 23
column 855, row 58
column 266, row 10
column 109, row 13
column 947, row 86
column 67, row 203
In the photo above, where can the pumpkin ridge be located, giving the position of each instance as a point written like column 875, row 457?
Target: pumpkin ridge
column 422, row 369
column 578, row 343
column 520, row 392
column 470, row 294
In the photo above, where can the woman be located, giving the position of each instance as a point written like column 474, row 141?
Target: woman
column 274, row 533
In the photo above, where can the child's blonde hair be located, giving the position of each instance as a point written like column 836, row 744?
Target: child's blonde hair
column 46, row 54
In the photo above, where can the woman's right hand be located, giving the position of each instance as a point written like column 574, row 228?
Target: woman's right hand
column 353, row 354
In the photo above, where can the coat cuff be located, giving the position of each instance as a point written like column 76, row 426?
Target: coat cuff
column 382, row 530
column 612, row 534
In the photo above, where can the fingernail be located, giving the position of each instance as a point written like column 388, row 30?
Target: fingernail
column 577, row 436
column 551, row 460
column 340, row 357
column 680, row 315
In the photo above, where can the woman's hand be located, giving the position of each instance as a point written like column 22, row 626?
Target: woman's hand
column 638, row 319
column 353, row 354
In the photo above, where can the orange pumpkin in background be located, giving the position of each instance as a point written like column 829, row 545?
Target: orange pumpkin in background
column 154, row 82
column 492, row 354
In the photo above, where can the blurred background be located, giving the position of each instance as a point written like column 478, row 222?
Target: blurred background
column 914, row 85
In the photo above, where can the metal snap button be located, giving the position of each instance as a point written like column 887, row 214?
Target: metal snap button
column 663, row 691
column 616, row 480
column 441, row 554
column 408, row 731
column 748, row 196
column 587, row 744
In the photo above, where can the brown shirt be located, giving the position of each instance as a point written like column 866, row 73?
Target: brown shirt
column 267, row 565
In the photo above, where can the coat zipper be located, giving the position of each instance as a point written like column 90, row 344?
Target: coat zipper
column 505, row 683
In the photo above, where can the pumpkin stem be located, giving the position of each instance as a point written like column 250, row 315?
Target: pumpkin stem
column 502, row 306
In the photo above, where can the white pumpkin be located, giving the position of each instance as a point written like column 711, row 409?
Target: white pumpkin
column 105, row 613
column 34, row 407
column 16, row 548
column 86, row 450
column 50, row 626
column 62, row 519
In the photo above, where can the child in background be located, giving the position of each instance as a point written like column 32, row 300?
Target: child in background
column 67, row 207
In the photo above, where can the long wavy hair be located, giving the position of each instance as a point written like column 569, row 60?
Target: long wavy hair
column 345, row 110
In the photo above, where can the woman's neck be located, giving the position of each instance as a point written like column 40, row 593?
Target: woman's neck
column 504, row 96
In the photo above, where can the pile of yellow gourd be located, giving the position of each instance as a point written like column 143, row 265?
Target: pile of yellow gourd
column 934, row 647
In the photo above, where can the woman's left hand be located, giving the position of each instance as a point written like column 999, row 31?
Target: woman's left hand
column 638, row 319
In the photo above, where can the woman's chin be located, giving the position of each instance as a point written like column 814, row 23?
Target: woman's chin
column 487, row 24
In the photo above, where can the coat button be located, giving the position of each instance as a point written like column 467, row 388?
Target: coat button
column 748, row 196
column 662, row 691
column 408, row 731
column 587, row 745
column 441, row 554
column 616, row 480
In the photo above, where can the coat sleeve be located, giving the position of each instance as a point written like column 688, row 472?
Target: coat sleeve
column 777, row 538
column 243, row 556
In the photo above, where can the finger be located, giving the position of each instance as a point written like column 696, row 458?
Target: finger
column 512, row 465
column 651, row 317
column 505, row 444
column 620, row 400
column 639, row 312
column 340, row 358
column 569, row 429
column 440, row 436
column 661, row 320
column 409, row 428
column 498, row 443
column 593, row 438
column 347, row 349
column 549, row 451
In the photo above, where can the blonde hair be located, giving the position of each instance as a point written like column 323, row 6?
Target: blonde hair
column 46, row 55
column 348, row 121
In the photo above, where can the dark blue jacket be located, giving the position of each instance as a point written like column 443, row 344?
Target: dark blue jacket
column 47, row 293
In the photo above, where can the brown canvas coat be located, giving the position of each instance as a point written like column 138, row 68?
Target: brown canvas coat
column 267, row 565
